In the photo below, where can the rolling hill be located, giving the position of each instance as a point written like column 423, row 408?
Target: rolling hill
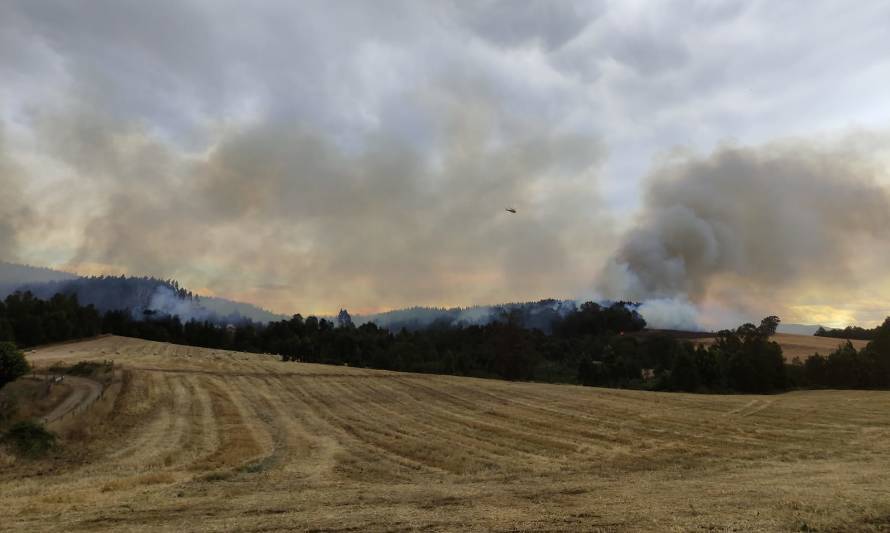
column 197, row 439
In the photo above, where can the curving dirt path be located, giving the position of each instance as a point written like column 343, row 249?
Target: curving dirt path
column 84, row 392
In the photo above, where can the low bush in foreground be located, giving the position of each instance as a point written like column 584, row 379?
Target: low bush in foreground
column 102, row 371
column 8, row 409
column 84, row 368
column 29, row 439
column 13, row 364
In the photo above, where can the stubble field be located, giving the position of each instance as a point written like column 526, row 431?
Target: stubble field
column 195, row 439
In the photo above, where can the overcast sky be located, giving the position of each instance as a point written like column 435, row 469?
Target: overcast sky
column 307, row 156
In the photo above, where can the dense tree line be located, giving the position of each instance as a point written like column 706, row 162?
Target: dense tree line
column 107, row 293
column 29, row 321
column 598, row 345
column 868, row 368
column 532, row 315
column 742, row 360
column 12, row 366
column 849, row 332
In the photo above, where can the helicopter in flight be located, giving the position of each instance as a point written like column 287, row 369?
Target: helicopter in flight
column 510, row 210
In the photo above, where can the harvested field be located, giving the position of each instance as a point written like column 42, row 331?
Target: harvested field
column 801, row 346
column 200, row 439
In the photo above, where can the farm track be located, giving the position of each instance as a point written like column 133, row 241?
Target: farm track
column 223, row 441
column 84, row 392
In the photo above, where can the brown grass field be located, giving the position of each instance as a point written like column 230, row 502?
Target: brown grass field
column 801, row 346
column 189, row 439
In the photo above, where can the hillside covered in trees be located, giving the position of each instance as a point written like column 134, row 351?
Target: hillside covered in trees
column 139, row 295
column 597, row 345
column 533, row 315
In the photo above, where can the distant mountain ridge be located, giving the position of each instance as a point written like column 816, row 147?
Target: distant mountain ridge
column 13, row 275
column 798, row 329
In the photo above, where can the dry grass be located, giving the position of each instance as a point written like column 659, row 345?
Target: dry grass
column 208, row 440
column 801, row 346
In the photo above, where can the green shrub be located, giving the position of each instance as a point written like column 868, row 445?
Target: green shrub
column 29, row 439
column 12, row 363
column 217, row 476
column 82, row 368
column 85, row 368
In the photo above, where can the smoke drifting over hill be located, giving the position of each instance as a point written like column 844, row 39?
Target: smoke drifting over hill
column 533, row 315
column 139, row 296
column 377, row 227
column 756, row 223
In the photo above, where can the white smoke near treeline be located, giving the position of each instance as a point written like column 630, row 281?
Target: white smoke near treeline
column 535, row 315
column 755, row 229
column 659, row 313
column 670, row 313
column 165, row 301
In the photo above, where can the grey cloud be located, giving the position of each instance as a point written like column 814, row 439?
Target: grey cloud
column 649, row 53
column 179, row 65
column 552, row 24
column 150, row 61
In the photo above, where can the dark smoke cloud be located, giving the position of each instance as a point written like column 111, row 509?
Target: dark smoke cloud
column 14, row 212
column 757, row 223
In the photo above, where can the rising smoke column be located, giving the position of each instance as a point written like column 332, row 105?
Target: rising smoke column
column 14, row 213
column 758, row 223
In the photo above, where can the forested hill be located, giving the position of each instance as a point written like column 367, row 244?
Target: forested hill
column 144, row 295
column 230, row 308
column 149, row 296
column 139, row 295
column 532, row 315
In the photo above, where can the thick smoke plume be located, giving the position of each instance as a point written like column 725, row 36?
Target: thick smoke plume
column 750, row 224
column 670, row 313
column 379, row 226
column 13, row 212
